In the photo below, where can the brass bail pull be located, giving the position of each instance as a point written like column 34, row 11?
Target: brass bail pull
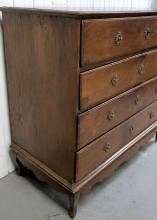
column 118, row 38
column 110, row 115
column 148, row 33
column 137, row 99
column 151, row 115
column 141, row 68
column 114, row 79
column 107, row 147
column 131, row 129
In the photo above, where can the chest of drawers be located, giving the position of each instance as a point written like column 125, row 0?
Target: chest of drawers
column 82, row 91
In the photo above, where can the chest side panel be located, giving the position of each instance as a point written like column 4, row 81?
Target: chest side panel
column 42, row 59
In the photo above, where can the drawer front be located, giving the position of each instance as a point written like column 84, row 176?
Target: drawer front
column 98, row 120
column 102, row 83
column 104, row 40
column 101, row 149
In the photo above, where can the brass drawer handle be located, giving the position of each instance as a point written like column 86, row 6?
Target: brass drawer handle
column 107, row 147
column 114, row 79
column 148, row 33
column 110, row 115
column 151, row 115
column 141, row 68
column 131, row 129
column 137, row 99
column 118, row 38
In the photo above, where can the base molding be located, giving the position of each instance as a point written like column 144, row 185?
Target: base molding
column 41, row 171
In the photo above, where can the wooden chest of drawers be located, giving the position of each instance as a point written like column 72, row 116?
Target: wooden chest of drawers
column 82, row 91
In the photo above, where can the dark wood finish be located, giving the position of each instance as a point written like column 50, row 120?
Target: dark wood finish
column 96, row 85
column 73, row 201
column 49, row 89
column 42, row 52
column 41, row 171
column 96, row 121
column 95, row 153
column 20, row 169
column 99, row 45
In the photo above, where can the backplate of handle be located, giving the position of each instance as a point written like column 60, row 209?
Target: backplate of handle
column 118, row 38
column 148, row 33
column 114, row 79
column 107, row 147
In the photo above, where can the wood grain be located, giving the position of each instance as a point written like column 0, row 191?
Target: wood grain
column 95, row 153
column 96, row 85
column 42, row 58
column 98, row 38
column 95, row 122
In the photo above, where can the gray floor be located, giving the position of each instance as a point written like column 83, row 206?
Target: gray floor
column 129, row 194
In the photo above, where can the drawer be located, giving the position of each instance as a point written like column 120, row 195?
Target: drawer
column 105, row 40
column 98, row 120
column 89, row 157
column 102, row 83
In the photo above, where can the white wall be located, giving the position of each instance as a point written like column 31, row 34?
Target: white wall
column 78, row 3
column 5, row 161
